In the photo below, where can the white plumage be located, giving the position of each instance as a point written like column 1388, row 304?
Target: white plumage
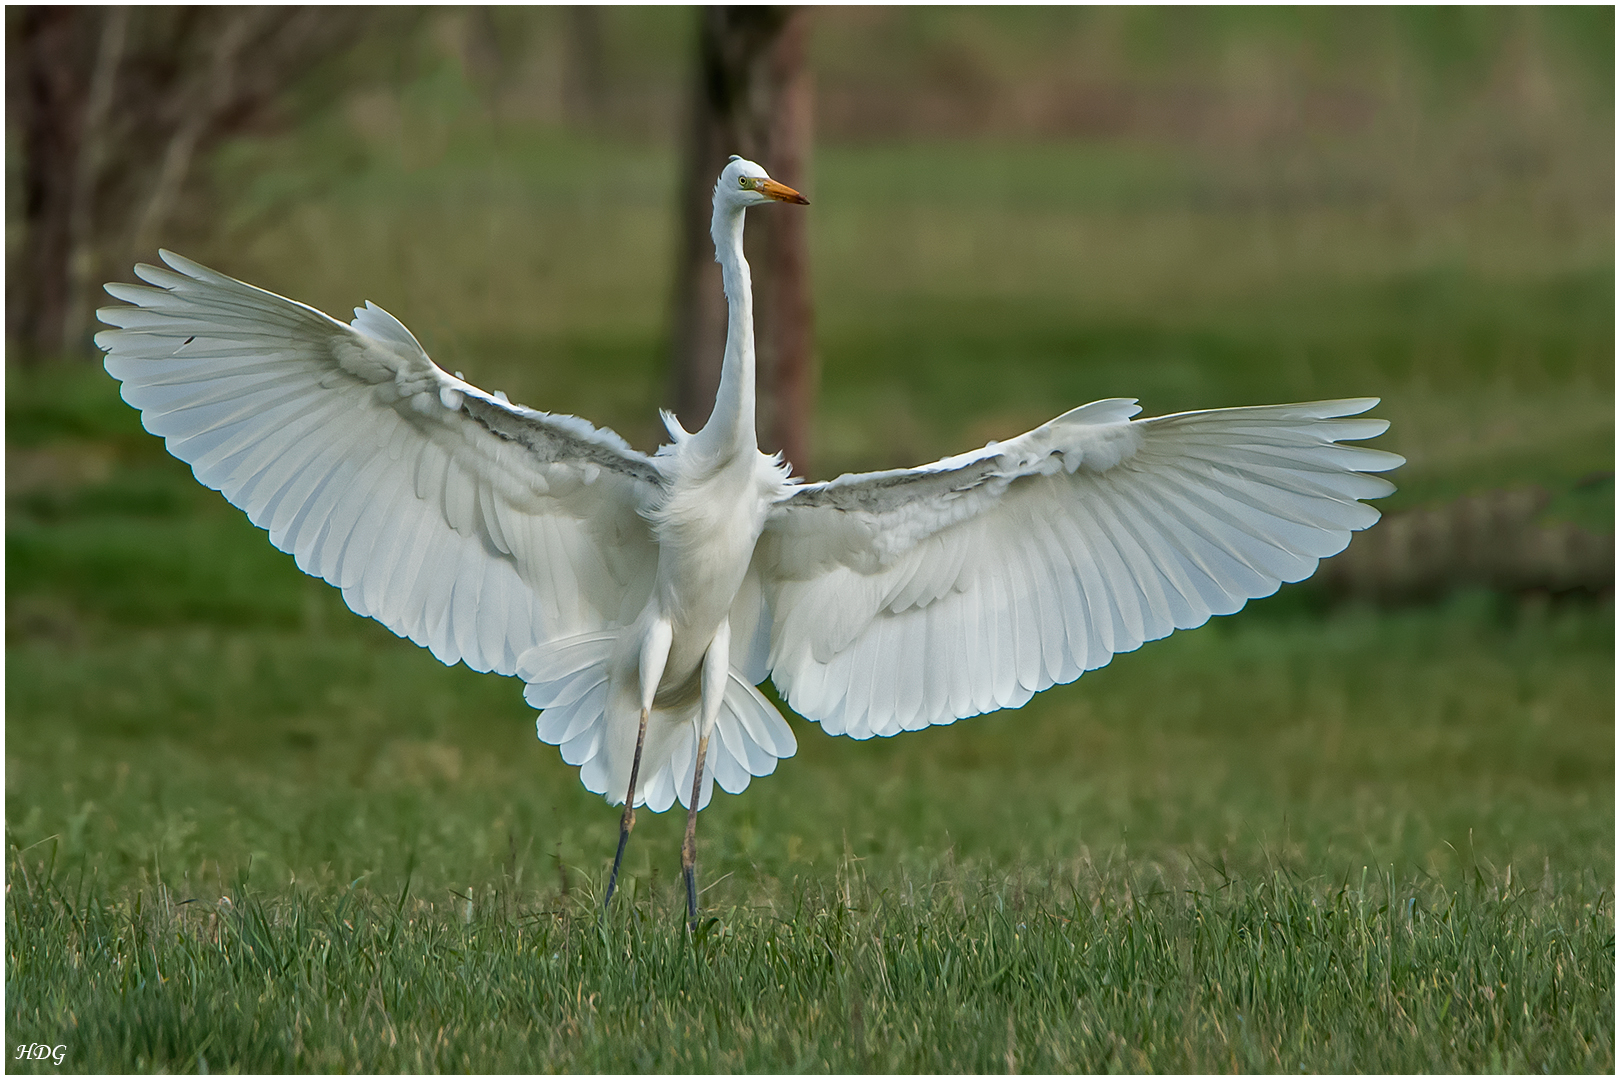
column 642, row 598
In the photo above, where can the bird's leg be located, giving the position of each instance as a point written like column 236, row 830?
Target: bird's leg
column 689, row 845
column 716, row 666
column 650, row 670
column 628, row 820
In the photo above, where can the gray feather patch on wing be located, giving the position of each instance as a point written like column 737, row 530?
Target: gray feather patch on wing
column 551, row 437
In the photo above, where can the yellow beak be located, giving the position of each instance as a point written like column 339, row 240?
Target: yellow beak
column 780, row 192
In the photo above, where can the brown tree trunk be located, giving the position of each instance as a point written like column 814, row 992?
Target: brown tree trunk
column 55, row 60
column 787, row 356
column 752, row 97
column 584, row 80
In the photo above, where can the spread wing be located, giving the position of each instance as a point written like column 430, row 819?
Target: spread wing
column 470, row 525
column 914, row 597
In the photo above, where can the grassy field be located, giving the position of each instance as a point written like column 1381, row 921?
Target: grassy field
column 250, row 831
column 247, row 830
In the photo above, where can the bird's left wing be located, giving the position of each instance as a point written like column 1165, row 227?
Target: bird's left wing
column 470, row 525
column 917, row 596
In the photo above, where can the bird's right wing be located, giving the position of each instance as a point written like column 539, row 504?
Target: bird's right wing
column 917, row 596
column 470, row 525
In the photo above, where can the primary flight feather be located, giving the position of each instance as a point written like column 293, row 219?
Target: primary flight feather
column 644, row 598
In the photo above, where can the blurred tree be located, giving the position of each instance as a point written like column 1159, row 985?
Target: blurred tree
column 752, row 97
column 114, row 105
column 584, row 80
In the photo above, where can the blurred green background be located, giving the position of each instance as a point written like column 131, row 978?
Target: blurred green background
column 1013, row 211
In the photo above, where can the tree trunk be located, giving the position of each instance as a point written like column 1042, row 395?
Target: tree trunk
column 752, row 97
column 54, row 91
column 584, row 80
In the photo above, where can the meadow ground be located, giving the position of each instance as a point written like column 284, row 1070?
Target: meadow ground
column 1352, row 841
column 249, row 830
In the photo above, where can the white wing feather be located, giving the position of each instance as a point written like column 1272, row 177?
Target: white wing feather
column 913, row 597
column 471, row 526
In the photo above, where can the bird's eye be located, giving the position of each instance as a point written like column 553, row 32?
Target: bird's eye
column 745, row 181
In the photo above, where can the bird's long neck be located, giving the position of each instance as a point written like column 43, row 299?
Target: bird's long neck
column 731, row 423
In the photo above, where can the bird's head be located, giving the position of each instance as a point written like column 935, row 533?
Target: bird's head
column 744, row 183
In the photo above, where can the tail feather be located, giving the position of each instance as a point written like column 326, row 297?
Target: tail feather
column 548, row 668
column 570, row 683
column 750, row 737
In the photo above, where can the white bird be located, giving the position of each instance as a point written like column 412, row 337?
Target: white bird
column 643, row 598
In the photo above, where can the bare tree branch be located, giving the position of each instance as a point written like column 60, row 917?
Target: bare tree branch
column 115, row 106
column 207, row 101
column 87, row 172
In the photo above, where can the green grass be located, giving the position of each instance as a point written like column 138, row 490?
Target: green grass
column 1076, row 966
column 248, row 830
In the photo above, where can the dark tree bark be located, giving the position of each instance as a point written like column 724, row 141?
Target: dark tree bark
column 752, row 97
column 584, row 78
column 54, row 53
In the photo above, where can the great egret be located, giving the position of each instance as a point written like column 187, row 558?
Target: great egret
column 643, row 598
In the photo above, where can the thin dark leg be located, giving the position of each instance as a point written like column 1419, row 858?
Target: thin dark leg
column 689, row 845
column 628, row 820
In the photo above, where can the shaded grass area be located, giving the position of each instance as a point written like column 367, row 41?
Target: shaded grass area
column 1514, row 389
column 332, row 753
column 1075, row 967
